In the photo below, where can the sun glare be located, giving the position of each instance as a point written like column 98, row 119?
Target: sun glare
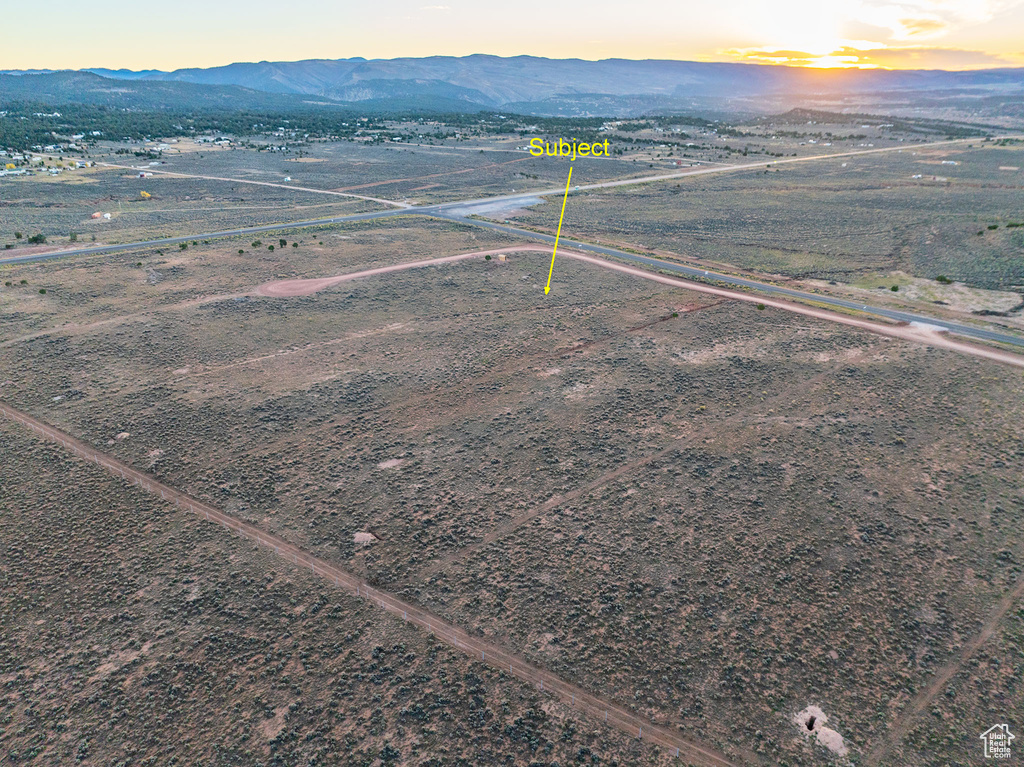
column 833, row 61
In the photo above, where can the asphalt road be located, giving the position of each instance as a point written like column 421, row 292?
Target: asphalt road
column 456, row 211
column 763, row 287
column 458, row 208
column 207, row 236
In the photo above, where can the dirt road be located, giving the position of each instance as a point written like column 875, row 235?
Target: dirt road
column 391, row 203
column 284, row 288
column 905, row 721
column 920, row 334
column 491, row 654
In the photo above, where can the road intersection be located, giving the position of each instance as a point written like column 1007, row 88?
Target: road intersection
column 462, row 212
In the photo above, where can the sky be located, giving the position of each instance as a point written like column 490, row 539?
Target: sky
column 901, row 34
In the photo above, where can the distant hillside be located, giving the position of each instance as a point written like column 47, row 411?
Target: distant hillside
column 88, row 88
column 496, row 81
column 526, row 84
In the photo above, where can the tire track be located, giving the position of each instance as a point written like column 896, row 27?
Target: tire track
column 493, row 655
column 512, row 524
column 290, row 187
column 905, row 721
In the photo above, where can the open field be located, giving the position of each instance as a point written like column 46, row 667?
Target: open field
column 134, row 636
column 58, row 206
column 104, row 288
column 979, row 696
column 419, row 174
column 716, row 514
column 831, row 219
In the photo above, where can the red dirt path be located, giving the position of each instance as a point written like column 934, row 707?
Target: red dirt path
column 913, row 333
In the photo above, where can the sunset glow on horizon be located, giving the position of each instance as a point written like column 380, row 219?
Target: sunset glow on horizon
column 903, row 34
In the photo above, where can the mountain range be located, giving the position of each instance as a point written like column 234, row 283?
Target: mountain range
column 525, row 84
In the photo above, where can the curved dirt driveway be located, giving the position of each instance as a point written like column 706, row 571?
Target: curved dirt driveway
column 284, row 288
column 915, row 333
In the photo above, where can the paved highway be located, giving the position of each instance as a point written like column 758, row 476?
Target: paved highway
column 454, row 208
column 90, row 251
column 764, row 287
column 456, row 211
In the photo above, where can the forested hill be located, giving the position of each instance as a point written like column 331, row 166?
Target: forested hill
column 57, row 88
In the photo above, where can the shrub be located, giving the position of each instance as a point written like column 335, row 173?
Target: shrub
column 256, row 243
column 24, row 282
column 37, row 239
column 73, row 237
column 993, row 226
column 675, row 314
column 270, row 247
column 760, row 307
column 183, row 245
column 487, row 258
column 240, row 251
column 18, row 235
column 295, row 244
column 282, row 243
column 42, row 290
column 8, row 283
column 944, row 279
column 895, row 288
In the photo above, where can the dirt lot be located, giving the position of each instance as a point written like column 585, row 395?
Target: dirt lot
column 835, row 219
column 58, row 206
column 716, row 514
column 133, row 637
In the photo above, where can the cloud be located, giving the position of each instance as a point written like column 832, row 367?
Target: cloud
column 884, row 57
column 907, row 20
column 920, row 57
column 435, row 8
column 925, row 27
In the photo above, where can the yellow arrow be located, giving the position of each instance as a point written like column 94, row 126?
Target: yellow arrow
column 547, row 288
